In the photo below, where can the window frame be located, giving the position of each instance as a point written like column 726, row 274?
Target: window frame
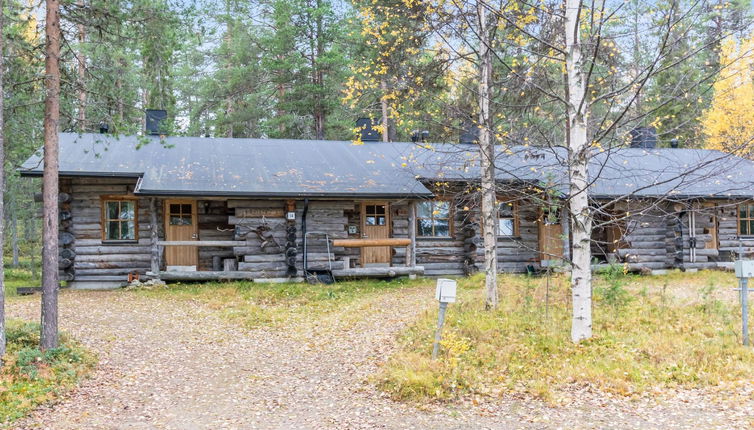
column 749, row 218
column 104, row 220
column 515, row 217
column 451, row 216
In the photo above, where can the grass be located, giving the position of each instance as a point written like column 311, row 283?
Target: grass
column 20, row 276
column 269, row 304
column 30, row 377
column 650, row 333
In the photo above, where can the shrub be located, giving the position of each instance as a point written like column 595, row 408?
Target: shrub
column 30, row 377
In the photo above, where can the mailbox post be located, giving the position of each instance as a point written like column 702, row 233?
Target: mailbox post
column 744, row 271
column 445, row 293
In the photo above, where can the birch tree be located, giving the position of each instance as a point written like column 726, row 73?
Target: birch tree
column 578, row 166
column 487, row 160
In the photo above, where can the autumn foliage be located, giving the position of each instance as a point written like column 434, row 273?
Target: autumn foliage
column 729, row 123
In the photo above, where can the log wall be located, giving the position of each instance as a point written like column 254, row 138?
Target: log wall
column 97, row 261
column 657, row 236
column 514, row 254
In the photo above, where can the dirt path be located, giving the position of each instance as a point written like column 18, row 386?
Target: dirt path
column 176, row 365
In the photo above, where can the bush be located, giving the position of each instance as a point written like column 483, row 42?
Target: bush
column 665, row 340
column 30, row 377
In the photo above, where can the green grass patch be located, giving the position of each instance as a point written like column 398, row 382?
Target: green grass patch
column 18, row 277
column 650, row 332
column 263, row 304
column 30, row 377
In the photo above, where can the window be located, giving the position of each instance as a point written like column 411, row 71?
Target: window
column 746, row 219
column 507, row 219
column 374, row 215
column 180, row 214
column 433, row 219
column 119, row 220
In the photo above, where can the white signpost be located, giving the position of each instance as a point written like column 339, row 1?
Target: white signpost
column 445, row 293
column 744, row 271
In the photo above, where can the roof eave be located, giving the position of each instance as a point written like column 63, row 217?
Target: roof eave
column 78, row 174
column 272, row 195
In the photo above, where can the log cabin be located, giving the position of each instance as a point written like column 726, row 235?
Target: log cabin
column 191, row 208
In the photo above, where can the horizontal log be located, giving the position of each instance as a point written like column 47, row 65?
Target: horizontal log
column 358, row 243
column 255, row 204
column 112, row 258
column 62, row 197
column 209, row 276
column 379, row 271
column 112, row 249
column 102, row 278
column 124, row 272
column 645, row 251
column 133, row 265
column 214, row 243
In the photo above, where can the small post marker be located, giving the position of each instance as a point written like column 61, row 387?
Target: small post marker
column 445, row 293
column 744, row 271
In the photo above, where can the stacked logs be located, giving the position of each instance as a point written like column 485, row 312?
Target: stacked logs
column 290, row 239
column 66, row 254
column 470, row 234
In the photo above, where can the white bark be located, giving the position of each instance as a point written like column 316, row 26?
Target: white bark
column 578, row 159
column 487, row 160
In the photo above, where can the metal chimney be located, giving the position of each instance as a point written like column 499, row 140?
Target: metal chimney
column 156, row 121
column 644, row 137
column 469, row 133
column 368, row 134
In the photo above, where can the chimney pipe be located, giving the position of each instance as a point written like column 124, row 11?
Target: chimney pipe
column 156, row 122
column 367, row 133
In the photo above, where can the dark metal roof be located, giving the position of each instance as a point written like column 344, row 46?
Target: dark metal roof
column 663, row 172
column 298, row 168
column 236, row 167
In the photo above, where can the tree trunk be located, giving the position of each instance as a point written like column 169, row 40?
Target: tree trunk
column 81, row 60
column 2, row 186
column 384, row 105
column 319, row 110
column 49, row 336
column 487, row 159
column 578, row 160
column 13, row 226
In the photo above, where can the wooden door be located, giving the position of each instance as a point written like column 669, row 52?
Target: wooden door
column 550, row 237
column 181, row 224
column 375, row 224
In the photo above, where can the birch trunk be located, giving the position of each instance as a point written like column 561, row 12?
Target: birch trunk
column 578, row 160
column 2, row 187
column 487, row 160
column 49, row 335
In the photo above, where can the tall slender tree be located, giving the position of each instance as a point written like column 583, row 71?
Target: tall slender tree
column 50, row 280
column 487, row 158
column 577, row 108
column 2, row 183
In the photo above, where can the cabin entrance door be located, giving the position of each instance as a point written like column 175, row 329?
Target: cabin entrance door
column 181, row 224
column 550, row 237
column 375, row 224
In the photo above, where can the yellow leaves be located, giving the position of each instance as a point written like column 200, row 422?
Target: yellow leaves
column 729, row 123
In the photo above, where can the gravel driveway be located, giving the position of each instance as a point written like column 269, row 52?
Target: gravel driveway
column 174, row 364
